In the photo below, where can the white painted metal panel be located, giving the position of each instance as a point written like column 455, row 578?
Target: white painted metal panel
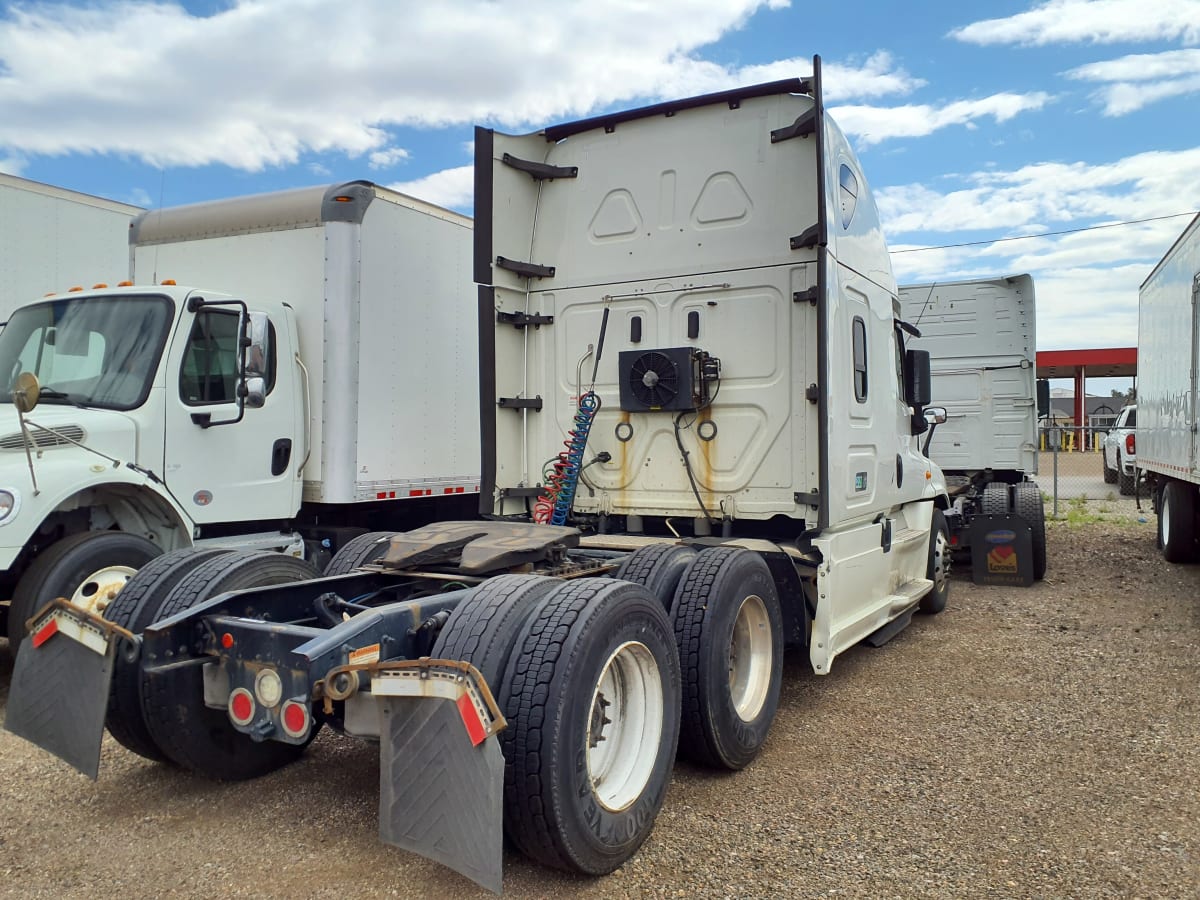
column 52, row 239
column 1167, row 343
column 981, row 337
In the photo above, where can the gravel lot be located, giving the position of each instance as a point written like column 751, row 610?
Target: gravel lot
column 1026, row 743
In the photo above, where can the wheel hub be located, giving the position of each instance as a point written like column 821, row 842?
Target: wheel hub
column 101, row 587
column 750, row 657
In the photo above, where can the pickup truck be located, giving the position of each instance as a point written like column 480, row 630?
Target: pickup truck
column 1119, row 451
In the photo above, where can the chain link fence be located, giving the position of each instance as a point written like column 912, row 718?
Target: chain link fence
column 1071, row 477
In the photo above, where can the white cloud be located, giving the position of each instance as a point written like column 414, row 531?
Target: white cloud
column 1134, row 81
column 1093, row 21
column 12, row 165
column 263, row 81
column 385, row 159
column 451, row 188
column 872, row 124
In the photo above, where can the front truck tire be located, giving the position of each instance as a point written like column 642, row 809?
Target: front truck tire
column 592, row 695
column 937, row 569
column 88, row 569
column 190, row 734
column 729, row 633
column 135, row 608
column 1177, row 522
column 1028, row 504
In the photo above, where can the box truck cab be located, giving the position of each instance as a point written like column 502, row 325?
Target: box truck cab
column 287, row 412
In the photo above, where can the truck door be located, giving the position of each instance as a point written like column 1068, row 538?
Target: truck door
column 242, row 471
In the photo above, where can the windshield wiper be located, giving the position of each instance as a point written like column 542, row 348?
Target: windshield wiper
column 49, row 393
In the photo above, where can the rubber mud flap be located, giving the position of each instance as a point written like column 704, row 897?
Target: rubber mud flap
column 440, row 795
column 58, row 698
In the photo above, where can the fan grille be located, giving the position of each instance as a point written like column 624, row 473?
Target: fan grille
column 654, row 379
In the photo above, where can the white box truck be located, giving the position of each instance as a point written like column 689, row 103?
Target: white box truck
column 327, row 389
column 982, row 341
column 696, row 299
column 1168, row 357
column 52, row 238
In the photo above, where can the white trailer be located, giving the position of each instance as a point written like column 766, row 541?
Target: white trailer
column 353, row 408
column 694, row 297
column 1168, row 357
column 52, row 239
column 982, row 342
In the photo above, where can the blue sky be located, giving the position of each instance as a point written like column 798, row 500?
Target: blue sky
column 973, row 121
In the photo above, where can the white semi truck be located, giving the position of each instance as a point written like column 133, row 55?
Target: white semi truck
column 1167, row 423
column 981, row 338
column 52, row 238
column 691, row 379
column 327, row 389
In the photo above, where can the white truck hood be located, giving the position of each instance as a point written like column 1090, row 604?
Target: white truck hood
column 103, row 430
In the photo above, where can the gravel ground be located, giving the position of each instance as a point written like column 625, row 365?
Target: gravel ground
column 1026, row 743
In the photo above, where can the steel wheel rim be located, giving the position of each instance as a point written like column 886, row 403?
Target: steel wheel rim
column 625, row 725
column 100, row 588
column 941, row 561
column 750, row 658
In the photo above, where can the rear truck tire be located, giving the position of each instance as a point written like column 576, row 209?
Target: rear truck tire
column 194, row 737
column 484, row 627
column 1027, row 503
column 134, row 609
column 1177, row 522
column 1125, row 483
column 1110, row 475
column 729, row 632
column 994, row 501
column 359, row 551
column 658, row 567
column 89, row 569
column 937, row 569
column 592, row 696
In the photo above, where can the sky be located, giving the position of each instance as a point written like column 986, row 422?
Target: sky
column 1055, row 122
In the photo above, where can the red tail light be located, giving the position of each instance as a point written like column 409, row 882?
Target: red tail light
column 295, row 719
column 1129, row 443
column 241, row 706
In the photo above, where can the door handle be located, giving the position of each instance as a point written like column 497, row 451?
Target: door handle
column 281, row 455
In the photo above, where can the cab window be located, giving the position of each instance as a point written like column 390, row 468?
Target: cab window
column 210, row 361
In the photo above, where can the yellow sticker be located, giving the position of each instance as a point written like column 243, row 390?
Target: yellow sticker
column 364, row 655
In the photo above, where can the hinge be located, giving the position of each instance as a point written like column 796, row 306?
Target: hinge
column 885, row 538
column 539, row 171
column 534, row 403
column 528, row 270
column 522, row 320
column 806, row 238
column 805, row 125
column 811, row 499
column 812, row 393
column 809, row 295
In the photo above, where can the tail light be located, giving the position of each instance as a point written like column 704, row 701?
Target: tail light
column 241, row 706
column 295, row 719
column 1129, row 443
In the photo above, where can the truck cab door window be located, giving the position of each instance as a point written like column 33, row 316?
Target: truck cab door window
column 210, row 361
column 859, row 331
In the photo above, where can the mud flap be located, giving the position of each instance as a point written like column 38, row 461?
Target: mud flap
column 59, row 691
column 441, row 771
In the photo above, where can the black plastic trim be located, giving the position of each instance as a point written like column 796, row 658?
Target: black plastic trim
column 823, row 288
column 523, row 320
column 734, row 98
column 807, row 238
column 485, row 139
column 522, row 492
column 487, row 397
column 534, row 403
column 804, row 125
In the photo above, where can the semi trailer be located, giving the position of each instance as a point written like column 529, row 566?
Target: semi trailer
column 981, row 338
column 700, row 446
column 317, row 384
column 1168, row 356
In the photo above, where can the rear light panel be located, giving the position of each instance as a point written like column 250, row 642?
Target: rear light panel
column 295, row 719
column 1129, row 443
column 241, row 707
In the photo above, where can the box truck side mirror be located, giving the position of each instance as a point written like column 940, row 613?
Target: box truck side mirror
column 916, row 387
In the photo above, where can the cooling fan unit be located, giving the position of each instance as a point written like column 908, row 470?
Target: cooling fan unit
column 664, row 379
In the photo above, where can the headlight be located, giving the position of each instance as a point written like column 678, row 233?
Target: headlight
column 9, row 502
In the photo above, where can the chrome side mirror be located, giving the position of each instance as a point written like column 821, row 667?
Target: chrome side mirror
column 935, row 415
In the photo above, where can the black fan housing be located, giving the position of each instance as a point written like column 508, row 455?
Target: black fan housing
column 663, row 379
